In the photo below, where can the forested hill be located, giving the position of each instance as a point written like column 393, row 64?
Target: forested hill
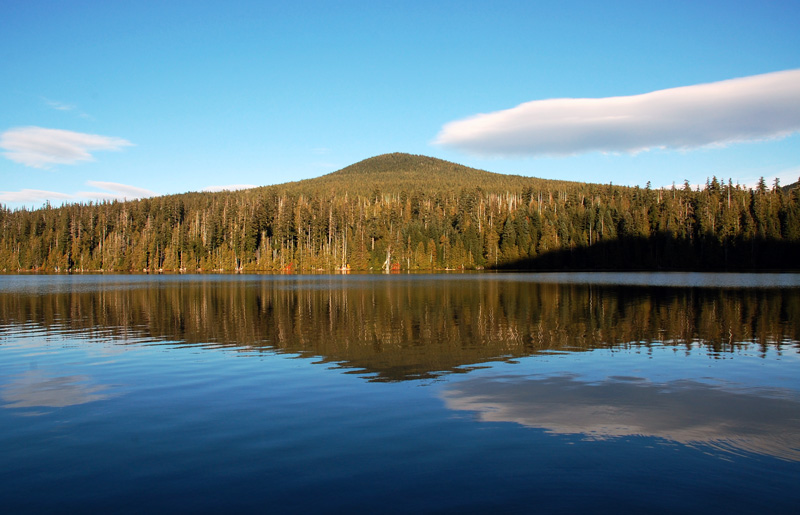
column 395, row 173
column 788, row 188
column 404, row 212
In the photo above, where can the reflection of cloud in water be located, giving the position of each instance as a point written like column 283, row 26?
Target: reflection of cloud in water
column 34, row 389
column 734, row 420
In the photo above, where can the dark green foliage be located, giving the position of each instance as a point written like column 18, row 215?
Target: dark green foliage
column 415, row 213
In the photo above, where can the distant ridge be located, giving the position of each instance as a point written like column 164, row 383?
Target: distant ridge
column 790, row 187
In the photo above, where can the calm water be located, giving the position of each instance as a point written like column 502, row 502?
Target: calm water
column 400, row 393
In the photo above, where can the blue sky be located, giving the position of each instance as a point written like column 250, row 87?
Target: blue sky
column 121, row 98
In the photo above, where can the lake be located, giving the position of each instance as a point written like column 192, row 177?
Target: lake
column 564, row 392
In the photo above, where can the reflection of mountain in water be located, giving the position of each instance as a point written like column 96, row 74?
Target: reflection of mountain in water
column 401, row 327
column 764, row 422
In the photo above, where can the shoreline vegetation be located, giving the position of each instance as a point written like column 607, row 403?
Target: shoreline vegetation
column 400, row 212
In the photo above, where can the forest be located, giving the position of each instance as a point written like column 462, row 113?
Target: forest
column 400, row 212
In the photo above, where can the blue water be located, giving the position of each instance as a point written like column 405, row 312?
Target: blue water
column 126, row 418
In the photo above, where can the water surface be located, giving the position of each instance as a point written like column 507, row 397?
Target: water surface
column 393, row 393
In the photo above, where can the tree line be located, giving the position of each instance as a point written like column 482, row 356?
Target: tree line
column 414, row 213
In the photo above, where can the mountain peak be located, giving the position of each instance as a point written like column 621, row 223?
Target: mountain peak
column 397, row 172
column 398, row 162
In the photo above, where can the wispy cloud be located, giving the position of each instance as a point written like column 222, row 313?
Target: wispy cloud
column 28, row 196
column 113, row 191
column 745, row 109
column 230, row 187
column 62, row 106
column 784, row 177
column 42, row 148
column 58, row 106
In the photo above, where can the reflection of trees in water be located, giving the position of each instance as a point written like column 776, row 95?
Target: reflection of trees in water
column 411, row 328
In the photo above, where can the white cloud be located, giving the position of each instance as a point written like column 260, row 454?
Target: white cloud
column 745, row 109
column 120, row 191
column 28, row 196
column 230, row 187
column 41, row 148
column 114, row 191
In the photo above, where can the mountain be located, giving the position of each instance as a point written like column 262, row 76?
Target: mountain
column 403, row 212
column 788, row 188
column 398, row 172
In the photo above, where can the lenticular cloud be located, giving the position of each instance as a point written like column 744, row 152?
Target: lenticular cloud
column 121, row 191
column 41, row 148
column 746, row 109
